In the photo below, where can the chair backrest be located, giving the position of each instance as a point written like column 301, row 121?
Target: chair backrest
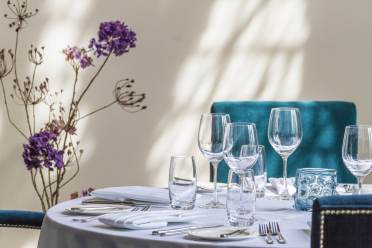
column 342, row 221
column 323, row 128
column 21, row 219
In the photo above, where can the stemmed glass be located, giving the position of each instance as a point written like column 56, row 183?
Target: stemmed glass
column 285, row 134
column 241, row 148
column 357, row 151
column 210, row 141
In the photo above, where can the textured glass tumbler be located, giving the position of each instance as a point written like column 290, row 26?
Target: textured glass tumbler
column 312, row 183
column 241, row 199
column 182, row 182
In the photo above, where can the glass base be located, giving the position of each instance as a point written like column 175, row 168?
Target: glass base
column 213, row 204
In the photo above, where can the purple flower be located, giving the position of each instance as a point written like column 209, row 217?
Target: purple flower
column 113, row 37
column 78, row 56
column 40, row 151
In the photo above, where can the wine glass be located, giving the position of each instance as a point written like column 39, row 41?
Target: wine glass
column 241, row 151
column 241, row 146
column 210, row 141
column 285, row 134
column 357, row 151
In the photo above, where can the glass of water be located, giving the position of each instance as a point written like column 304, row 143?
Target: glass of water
column 241, row 199
column 182, row 182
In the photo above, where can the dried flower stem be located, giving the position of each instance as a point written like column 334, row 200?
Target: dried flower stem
column 8, row 113
column 97, row 110
column 33, row 179
column 77, row 167
column 17, row 81
column 44, row 187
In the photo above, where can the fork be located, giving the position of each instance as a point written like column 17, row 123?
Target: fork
column 275, row 230
column 85, row 220
column 263, row 230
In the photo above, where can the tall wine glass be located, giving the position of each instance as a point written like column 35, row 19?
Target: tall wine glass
column 357, row 151
column 210, row 141
column 285, row 134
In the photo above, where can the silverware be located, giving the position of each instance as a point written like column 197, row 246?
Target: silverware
column 180, row 230
column 226, row 235
column 263, row 230
column 85, row 220
column 275, row 230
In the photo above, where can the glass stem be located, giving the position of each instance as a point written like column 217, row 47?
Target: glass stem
column 285, row 176
column 215, row 166
column 360, row 182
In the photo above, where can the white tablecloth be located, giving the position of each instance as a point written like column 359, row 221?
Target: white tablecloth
column 59, row 231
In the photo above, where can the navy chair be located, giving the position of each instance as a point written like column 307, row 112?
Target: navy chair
column 21, row 219
column 323, row 128
column 342, row 222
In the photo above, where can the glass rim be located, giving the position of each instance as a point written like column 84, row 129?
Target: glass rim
column 182, row 156
column 314, row 170
column 214, row 114
column 358, row 126
column 285, row 109
column 241, row 123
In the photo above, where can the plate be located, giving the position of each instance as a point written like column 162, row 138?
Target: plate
column 213, row 234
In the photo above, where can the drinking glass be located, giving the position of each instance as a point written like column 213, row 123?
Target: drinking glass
column 182, row 182
column 285, row 134
column 357, row 151
column 210, row 141
column 259, row 170
column 312, row 183
column 241, row 146
column 241, row 199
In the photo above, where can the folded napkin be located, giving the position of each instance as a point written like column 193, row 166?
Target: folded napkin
column 149, row 220
column 278, row 185
column 137, row 193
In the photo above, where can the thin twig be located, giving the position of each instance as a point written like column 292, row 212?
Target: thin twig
column 44, row 187
column 33, row 176
column 97, row 110
column 8, row 112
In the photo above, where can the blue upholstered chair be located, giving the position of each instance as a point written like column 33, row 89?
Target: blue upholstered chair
column 323, row 128
column 342, row 222
column 21, row 219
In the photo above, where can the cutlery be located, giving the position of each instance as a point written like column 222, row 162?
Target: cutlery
column 263, row 230
column 180, row 230
column 85, row 220
column 127, row 202
column 98, row 207
column 275, row 230
column 226, row 235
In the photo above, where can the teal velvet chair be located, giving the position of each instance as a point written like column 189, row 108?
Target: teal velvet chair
column 323, row 128
column 21, row 219
column 342, row 221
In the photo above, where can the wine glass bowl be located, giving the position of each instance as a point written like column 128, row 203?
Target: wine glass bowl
column 241, row 146
column 210, row 141
column 357, row 151
column 285, row 135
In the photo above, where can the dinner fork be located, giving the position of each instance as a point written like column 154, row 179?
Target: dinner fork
column 85, row 220
column 263, row 230
column 275, row 230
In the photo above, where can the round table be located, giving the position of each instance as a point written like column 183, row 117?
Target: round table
column 59, row 231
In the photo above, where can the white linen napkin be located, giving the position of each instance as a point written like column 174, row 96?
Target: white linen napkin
column 278, row 185
column 138, row 193
column 149, row 220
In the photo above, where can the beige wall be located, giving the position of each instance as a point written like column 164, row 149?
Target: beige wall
column 189, row 54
